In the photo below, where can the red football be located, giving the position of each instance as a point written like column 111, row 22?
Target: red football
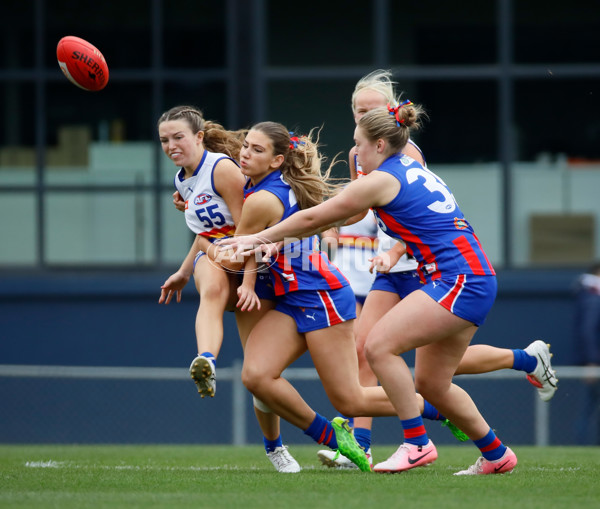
column 82, row 63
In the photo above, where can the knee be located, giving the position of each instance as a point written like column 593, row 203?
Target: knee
column 251, row 379
column 373, row 350
column 430, row 389
column 346, row 406
column 213, row 291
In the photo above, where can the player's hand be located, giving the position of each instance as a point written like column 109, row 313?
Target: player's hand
column 172, row 286
column 380, row 263
column 247, row 298
column 178, row 201
column 242, row 245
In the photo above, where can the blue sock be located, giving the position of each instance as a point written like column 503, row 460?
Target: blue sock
column 271, row 445
column 431, row 413
column 210, row 356
column 524, row 361
column 490, row 446
column 414, row 431
column 363, row 437
column 321, row 431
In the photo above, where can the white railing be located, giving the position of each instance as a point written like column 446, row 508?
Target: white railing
column 240, row 395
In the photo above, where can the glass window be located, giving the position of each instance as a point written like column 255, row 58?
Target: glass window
column 303, row 105
column 107, row 140
column 18, row 31
column 429, row 33
column 194, row 34
column 17, row 134
column 100, row 228
column 123, row 38
column 18, row 228
column 338, row 33
column 553, row 116
column 557, row 33
column 462, row 125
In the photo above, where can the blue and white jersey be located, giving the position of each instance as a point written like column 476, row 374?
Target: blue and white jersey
column 300, row 265
column 206, row 212
column 425, row 215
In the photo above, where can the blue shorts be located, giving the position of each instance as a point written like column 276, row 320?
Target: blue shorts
column 318, row 309
column 264, row 286
column 360, row 299
column 400, row 283
column 467, row 296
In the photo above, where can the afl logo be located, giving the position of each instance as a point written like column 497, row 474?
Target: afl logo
column 201, row 199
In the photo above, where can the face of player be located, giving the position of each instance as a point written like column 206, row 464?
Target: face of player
column 367, row 100
column 180, row 144
column 256, row 156
column 368, row 152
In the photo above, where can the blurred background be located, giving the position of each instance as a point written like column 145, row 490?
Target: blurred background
column 88, row 232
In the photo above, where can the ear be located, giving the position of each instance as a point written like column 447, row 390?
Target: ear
column 277, row 161
column 200, row 136
column 380, row 144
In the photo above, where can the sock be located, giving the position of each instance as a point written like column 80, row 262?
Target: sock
column 414, row 431
column 363, row 437
column 431, row 413
column 210, row 356
column 321, row 431
column 490, row 446
column 271, row 445
column 523, row 361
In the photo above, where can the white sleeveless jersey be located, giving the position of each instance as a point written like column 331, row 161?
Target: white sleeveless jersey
column 356, row 246
column 206, row 212
column 384, row 241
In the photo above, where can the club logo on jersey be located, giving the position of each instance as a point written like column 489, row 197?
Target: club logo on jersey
column 405, row 160
column 460, row 224
column 288, row 277
column 201, row 199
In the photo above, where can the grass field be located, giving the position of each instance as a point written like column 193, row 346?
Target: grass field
column 229, row 477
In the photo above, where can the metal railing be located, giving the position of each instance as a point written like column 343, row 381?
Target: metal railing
column 240, row 396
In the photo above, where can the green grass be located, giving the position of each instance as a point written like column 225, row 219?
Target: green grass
column 223, row 476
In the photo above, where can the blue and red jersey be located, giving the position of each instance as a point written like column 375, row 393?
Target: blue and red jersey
column 300, row 265
column 425, row 215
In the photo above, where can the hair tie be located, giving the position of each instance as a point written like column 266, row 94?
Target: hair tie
column 394, row 111
column 294, row 141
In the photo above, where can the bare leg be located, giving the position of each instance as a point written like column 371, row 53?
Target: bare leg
column 212, row 284
column 268, row 421
column 266, row 356
column 377, row 304
column 483, row 359
column 441, row 339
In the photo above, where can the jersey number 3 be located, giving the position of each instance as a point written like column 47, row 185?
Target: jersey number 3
column 432, row 184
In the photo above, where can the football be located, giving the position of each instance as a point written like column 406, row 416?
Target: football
column 82, row 63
